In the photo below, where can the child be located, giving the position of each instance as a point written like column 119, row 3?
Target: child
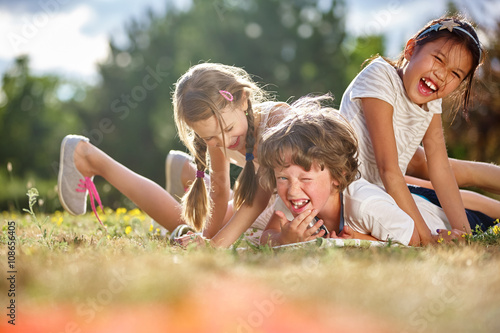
column 220, row 113
column 311, row 159
column 394, row 106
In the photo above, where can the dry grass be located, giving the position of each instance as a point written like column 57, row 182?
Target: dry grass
column 79, row 279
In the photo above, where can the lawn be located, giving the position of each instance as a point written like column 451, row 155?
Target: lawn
column 71, row 275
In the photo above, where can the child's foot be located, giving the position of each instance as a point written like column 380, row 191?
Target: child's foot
column 176, row 162
column 73, row 187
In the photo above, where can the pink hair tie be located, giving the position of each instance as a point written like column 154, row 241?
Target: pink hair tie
column 200, row 174
column 226, row 94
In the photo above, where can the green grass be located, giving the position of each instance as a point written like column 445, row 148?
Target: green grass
column 74, row 276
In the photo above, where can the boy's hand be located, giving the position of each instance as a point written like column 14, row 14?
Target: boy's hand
column 298, row 229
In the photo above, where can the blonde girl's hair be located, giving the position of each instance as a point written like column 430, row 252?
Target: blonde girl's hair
column 468, row 39
column 310, row 133
column 198, row 97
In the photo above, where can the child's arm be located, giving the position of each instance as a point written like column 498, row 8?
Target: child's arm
column 220, row 184
column 378, row 116
column 280, row 231
column 242, row 220
column 442, row 177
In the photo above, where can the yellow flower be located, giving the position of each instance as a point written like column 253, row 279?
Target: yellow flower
column 135, row 212
column 496, row 230
column 128, row 229
column 151, row 228
column 449, row 233
column 440, row 239
column 121, row 210
column 496, row 221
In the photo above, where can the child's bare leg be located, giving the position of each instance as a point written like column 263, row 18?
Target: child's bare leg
column 471, row 200
column 479, row 174
column 467, row 173
column 475, row 201
column 146, row 194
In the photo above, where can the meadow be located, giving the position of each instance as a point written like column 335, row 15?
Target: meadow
column 72, row 275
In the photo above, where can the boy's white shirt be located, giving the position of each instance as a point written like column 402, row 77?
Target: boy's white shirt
column 368, row 209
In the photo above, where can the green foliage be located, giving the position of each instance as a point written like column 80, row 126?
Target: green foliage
column 293, row 47
column 32, row 121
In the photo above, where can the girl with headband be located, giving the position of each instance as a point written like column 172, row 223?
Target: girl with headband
column 394, row 106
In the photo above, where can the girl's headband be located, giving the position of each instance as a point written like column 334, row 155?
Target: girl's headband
column 450, row 25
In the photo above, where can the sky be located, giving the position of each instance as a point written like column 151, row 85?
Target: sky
column 69, row 37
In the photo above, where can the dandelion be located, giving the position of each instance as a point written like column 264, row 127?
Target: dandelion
column 57, row 219
column 135, row 212
column 496, row 229
column 121, row 211
column 497, row 221
column 440, row 239
column 128, row 229
column 151, row 228
column 449, row 233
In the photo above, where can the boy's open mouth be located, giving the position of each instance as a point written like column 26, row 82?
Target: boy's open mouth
column 298, row 204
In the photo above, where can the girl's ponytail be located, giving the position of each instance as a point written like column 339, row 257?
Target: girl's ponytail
column 246, row 184
column 197, row 205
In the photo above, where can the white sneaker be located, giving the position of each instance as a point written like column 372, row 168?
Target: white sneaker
column 173, row 173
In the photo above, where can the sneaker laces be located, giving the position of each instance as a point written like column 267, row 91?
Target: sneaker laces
column 86, row 184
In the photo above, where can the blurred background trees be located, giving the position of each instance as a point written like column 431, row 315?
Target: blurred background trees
column 292, row 47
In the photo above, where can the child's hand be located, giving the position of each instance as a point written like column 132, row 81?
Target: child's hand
column 298, row 229
column 449, row 236
column 189, row 238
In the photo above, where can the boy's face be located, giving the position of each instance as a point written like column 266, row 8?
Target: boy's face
column 303, row 190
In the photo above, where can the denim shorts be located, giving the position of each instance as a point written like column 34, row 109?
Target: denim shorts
column 475, row 217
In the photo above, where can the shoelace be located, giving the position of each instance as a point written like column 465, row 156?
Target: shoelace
column 87, row 184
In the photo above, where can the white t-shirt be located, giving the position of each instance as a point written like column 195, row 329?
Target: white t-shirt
column 368, row 209
column 410, row 122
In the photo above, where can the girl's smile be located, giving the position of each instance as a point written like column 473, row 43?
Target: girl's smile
column 434, row 70
column 231, row 133
column 235, row 145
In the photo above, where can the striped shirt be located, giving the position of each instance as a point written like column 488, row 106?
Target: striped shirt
column 410, row 122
